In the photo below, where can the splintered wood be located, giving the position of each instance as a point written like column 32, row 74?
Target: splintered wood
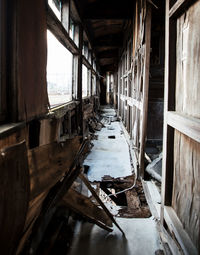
column 133, row 204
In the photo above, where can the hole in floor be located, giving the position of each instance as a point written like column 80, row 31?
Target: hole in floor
column 111, row 137
column 109, row 189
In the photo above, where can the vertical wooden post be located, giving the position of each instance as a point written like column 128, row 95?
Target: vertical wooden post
column 169, row 105
column 79, row 94
column 145, row 89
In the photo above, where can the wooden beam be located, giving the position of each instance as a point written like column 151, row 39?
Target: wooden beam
column 84, row 179
column 169, row 105
column 177, row 230
column 85, row 207
column 185, row 124
column 145, row 89
column 56, row 27
column 179, row 7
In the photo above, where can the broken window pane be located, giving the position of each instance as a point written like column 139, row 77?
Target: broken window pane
column 59, row 72
column 56, row 7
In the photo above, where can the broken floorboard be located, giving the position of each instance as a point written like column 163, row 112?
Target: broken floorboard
column 83, row 206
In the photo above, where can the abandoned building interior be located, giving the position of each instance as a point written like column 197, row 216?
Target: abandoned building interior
column 100, row 127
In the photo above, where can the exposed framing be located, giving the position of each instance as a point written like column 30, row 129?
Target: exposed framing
column 132, row 108
column 173, row 120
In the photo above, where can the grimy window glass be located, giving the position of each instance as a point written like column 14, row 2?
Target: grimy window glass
column 56, row 7
column 84, row 81
column 59, row 72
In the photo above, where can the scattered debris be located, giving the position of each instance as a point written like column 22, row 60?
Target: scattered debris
column 155, row 168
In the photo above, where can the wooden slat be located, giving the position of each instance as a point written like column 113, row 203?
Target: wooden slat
column 176, row 228
column 179, row 7
column 59, row 31
column 187, row 125
column 84, row 206
column 48, row 164
column 14, row 195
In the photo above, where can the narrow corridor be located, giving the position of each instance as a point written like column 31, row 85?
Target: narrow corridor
column 110, row 159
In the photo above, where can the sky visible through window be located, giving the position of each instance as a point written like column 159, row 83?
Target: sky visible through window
column 59, row 72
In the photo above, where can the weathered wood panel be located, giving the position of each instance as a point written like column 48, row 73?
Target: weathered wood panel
column 188, row 62
column 84, row 206
column 186, row 188
column 49, row 131
column 49, row 163
column 17, row 137
column 14, row 195
column 31, row 58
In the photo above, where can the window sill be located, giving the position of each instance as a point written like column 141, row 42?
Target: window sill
column 10, row 128
column 59, row 111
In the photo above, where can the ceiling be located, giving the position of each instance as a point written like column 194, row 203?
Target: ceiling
column 105, row 22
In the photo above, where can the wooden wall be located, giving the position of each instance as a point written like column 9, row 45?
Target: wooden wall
column 186, row 188
column 181, row 155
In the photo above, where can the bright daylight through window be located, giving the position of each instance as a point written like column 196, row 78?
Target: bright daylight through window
column 59, row 72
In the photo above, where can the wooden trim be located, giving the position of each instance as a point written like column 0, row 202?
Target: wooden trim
column 56, row 27
column 177, row 229
column 187, row 125
column 179, row 7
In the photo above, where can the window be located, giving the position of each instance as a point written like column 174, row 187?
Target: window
column 94, row 84
column 56, row 7
column 59, row 72
column 84, row 81
column 71, row 29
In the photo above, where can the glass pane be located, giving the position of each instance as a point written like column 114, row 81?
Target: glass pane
column 59, row 72
column 93, row 84
column 84, row 81
column 56, row 7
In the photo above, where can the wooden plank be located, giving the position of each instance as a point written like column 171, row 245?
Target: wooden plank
column 186, row 188
column 185, row 124
column 49, row 163
column 14, row 195
column 188, row 63
column 84, row 206
column 145, row 89
column 179, row 7
column 59, row 31
column 176, row 228
column 84, row 179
